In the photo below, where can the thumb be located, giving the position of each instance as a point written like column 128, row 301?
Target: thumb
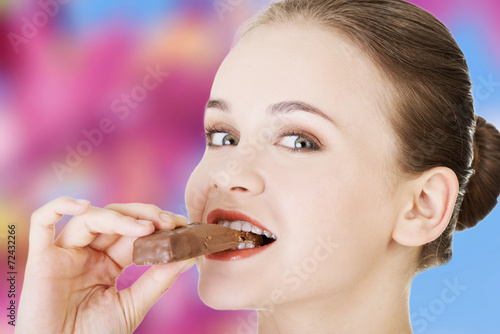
column 152, row 285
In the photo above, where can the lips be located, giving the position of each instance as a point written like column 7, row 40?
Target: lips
column 218, row 214
column 239, row 221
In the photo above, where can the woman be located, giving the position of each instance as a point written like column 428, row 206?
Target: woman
column 346, row 129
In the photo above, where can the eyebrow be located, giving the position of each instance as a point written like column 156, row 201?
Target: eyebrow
column 274, row 109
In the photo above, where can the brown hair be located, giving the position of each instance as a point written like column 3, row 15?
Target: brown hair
column 433, row 120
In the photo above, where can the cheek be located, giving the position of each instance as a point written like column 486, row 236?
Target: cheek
column 359, row 205
column 334, row 223
column 362, row 220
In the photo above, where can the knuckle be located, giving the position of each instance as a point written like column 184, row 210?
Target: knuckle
column 35, row 215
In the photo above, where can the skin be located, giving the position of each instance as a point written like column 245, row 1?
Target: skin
column 349, row 228
column 346, row 194
column 93, row 249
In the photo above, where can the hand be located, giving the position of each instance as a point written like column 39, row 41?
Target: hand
column 69, row 284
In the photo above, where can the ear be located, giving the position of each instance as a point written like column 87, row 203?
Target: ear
column 428, row 203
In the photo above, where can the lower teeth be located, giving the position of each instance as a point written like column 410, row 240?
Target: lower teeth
column 245, row 245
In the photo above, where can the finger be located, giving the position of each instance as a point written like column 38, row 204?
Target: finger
column 103, row 241
column 161, row 219
column 179, row 220
column 135, row 210
column 119, row 248
column 120, row 251
column 82, row 230
column 43, row 220
column 152, row 285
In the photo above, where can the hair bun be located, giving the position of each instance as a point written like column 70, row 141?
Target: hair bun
column 484, row 185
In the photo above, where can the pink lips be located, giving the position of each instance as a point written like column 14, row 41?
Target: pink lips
column 229, row 255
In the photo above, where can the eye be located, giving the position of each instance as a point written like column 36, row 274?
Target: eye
column 219, row 137
column 299, row 142
column 223, row 138
column 296, row 142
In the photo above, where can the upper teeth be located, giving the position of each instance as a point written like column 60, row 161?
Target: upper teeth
column 244, row 226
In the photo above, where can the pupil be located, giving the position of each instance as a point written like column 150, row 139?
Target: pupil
column 228, row 140
column 302, row 142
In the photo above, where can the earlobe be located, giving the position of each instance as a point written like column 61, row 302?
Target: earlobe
column 428, row 204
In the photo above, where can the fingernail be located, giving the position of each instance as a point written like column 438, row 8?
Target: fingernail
column 82, row 201
column 167, row 217
column 144, row 222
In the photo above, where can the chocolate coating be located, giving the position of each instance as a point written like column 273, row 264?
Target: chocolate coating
column 182, row 243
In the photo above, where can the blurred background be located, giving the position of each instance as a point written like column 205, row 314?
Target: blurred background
column 77, row 120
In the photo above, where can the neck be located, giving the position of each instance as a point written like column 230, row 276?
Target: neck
column 377, row 303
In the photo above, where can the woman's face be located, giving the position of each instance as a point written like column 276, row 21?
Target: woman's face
column 297, row 143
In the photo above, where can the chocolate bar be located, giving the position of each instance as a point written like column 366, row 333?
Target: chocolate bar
column 193, row 240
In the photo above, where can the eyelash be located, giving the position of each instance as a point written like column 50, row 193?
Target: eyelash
column 317, row 146
column 210, row 131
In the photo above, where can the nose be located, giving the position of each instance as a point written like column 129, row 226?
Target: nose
column 238, row 177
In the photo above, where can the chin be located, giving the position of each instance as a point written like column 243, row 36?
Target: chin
column 225, row 292
column 221, row 296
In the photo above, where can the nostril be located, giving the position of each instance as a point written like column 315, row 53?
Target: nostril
column 243, row 189
column 237, row 184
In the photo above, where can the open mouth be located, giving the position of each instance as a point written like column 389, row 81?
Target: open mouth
column 254, row 237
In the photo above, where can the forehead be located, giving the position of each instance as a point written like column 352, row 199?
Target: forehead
column 300, row 62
